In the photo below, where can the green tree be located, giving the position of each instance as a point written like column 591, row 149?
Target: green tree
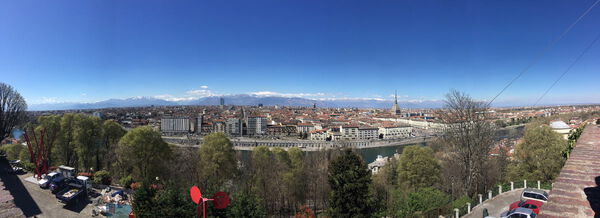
column 418, row 168
column 51, row 125
column 246, row 204
column 13, row 151
column 349, row 179
column 64, row 151
column 295, row 178
column 144, row 150
column 425, row 202
column 174, row 202
column 143, row 201
column 87, row 135
column 24, row 155
column 112, row 134
column 385, row 181
column 262, row 172
column 539, row 156
column 217, row 161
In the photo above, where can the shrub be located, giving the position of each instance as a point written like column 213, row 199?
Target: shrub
column 102, row 177
column 28, row 166
column 461, row 203
column 126, row 181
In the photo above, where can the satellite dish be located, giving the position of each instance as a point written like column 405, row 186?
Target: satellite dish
column 221, row 200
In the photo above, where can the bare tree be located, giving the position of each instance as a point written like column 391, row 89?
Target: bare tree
column 468, row 139
column 12, row 110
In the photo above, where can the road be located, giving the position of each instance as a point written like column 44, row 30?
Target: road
column 496, row 205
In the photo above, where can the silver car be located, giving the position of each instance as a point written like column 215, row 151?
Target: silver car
column 518, row 213
column 534, row 194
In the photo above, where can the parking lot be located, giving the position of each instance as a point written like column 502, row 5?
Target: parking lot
column 38, row 202
column 49, row 205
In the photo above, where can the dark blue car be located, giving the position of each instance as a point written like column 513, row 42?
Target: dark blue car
column 57, row 183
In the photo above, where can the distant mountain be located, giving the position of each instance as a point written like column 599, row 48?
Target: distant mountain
column 236, row 100
column 129, row 102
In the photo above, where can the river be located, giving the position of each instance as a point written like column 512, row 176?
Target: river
column 368, row 154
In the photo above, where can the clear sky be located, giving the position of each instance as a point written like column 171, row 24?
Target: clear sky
column 85, row 51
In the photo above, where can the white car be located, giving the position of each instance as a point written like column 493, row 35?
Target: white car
column 45, row 181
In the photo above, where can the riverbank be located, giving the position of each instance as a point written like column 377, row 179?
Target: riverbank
column 245, row 144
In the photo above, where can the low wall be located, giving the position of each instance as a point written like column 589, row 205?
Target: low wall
column 576, row 190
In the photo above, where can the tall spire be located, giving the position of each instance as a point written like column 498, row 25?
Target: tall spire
column 395, row 108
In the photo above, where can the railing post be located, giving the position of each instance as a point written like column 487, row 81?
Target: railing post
column 512, row 186
column 524, row 183
column 468, row 207
column 490, row 194
column 499, row 189
column 480, row 198
column 539, row 185
column 456, row 212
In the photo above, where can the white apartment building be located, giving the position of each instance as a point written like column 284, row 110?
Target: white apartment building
column 305, row 127
column 368, row 133
column 318, row 135
column 349, row 132
column 395, row 132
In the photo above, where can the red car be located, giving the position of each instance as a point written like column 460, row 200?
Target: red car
column 529, row 204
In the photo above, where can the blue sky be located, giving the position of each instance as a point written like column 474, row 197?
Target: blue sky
column 86, row 51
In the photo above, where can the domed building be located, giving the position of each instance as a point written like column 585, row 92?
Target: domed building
column 561, row 127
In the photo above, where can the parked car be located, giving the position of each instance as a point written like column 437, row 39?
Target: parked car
column 529, row 204
column 15, row 167
column 518, row 212
column 534, row 194
column 57, row 183
column 77, row 189
column 45, row 182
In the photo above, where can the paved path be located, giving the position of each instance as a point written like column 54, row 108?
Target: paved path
column 496, row 205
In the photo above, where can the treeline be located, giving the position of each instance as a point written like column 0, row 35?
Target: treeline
column 77, row 140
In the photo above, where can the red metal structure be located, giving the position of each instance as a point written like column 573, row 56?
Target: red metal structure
column 40, row 157
column 220, row 200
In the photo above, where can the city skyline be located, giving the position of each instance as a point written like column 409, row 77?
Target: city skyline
column 90, row 52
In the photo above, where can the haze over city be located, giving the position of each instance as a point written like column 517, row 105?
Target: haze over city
column 62, row 51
